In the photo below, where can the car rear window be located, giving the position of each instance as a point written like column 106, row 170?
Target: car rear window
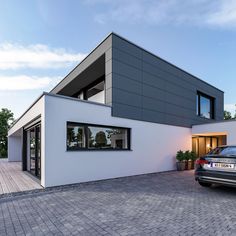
column 224, row 151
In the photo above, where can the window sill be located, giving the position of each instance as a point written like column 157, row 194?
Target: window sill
column 204, row 118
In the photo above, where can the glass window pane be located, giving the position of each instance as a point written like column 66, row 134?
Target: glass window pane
column 224, row 151
column 197, row 108
column 205, row 108
column 81, row 95
column 32, row 143
column 75, row 137
column 83, row 136
column 107, row 138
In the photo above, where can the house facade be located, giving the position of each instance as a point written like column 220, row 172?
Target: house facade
column 122, row 111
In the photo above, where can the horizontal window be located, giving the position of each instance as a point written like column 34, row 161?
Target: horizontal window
column 82, row 136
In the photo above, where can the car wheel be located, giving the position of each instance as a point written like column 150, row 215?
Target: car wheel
column 203, row 184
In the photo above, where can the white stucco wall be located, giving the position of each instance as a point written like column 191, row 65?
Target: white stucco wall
column 36, row 110
column 219, row 128
column 153, row 145
column 14, row 148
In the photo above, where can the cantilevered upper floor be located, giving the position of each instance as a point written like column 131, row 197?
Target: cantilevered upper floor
column 140, row 85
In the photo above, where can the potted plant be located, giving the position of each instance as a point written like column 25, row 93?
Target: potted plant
column 180, row 163
column 187, row 157
column 193, row 158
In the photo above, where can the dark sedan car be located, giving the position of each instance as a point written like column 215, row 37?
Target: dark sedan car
column 217, row 167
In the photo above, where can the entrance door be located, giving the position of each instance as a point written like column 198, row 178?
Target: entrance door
column 35, row 151
column 202, row 145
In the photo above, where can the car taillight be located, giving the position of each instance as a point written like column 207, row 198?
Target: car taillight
column 201, row 162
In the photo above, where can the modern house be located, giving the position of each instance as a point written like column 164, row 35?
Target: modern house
column 122, row 111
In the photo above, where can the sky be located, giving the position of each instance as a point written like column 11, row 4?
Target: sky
column 41, row 41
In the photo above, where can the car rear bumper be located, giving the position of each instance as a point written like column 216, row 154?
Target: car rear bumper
column 216, row 177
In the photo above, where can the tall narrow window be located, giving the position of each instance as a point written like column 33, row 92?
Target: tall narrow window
column 205, row 106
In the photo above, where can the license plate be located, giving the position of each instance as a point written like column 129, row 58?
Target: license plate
column 223, row 165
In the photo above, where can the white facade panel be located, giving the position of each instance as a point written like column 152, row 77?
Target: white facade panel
column 36, row 110
column 153, row 145
column 15, row 148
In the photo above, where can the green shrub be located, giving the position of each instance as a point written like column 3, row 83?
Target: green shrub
column 193, row 156
column 180, row 155
column 187, row 155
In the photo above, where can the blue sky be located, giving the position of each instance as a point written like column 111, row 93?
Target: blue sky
column 42, row 40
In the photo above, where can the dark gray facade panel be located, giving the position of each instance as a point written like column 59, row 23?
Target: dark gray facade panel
column 126, row 47
column 184, row 76
column 165, row 75
column 126, row 58
column 180, row 111
column 126, row 70
column 154, row 116
column 170, row 88
column 163, row 93
column 152, row 92
column 128, row 98
column 167, row 108
column 154, row 105
column 127, row 84
column 155, row 81
column 181, row 102
column 125, row 111
column 180, row 91
column 176, row 120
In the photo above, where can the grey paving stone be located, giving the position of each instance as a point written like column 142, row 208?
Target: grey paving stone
column 170, row 203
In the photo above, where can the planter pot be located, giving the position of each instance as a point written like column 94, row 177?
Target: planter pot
column 189, row 165
column 180, row 165
column 193, row 165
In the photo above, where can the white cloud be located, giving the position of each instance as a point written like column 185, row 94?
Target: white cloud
column 39, row 56
column 225, row 16
column 230, row 107
column 220, row 13
column 24, row 82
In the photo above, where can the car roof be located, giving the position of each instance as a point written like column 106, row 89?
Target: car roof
column 227, row 146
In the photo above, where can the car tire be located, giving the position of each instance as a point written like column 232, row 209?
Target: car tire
column 203, row 184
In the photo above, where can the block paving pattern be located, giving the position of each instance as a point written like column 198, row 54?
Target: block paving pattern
column 169, row 203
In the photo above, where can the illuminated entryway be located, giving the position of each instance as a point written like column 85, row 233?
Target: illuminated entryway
column 201, row 145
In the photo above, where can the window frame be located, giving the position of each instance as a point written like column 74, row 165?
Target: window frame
column 84, row 90
column 86, row 148
column 212, row 105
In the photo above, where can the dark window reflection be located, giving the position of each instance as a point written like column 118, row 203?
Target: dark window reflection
column 82, row 136
column 107, row 138
column 205, row 106
column 75, row 137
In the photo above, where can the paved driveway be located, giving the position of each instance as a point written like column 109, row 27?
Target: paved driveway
column 157, row 204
